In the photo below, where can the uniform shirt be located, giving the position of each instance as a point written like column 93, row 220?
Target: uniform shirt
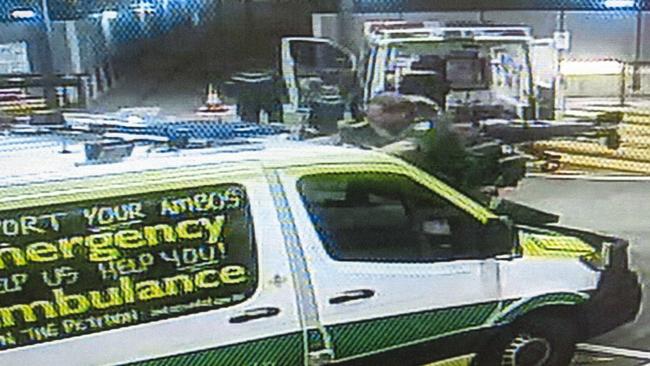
column 362, row 134
column 439, row 151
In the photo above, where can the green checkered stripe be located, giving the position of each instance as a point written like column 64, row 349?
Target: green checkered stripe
column 515, row 309
column 353, row 339
column 376, row 335
column 357, row 339
column 277, row 351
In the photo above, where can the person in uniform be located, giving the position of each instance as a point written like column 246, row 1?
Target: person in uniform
column 255, row 90
column 459, row 157
column 392, row 125
column 463, row 158
column 390, row 119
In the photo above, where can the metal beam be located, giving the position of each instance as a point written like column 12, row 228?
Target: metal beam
column 472, row 5
column 49, row 91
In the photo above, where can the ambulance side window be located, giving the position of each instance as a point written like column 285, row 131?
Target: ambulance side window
column 79, row 268
column 379, row 217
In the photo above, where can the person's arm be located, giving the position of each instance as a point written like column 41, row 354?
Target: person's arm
column 327, row 140
column 400, row 147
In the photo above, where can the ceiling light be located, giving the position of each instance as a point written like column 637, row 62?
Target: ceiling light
column 110, row 14
column 22, row 13
column 619, row 3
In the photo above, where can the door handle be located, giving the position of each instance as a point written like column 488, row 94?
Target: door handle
column 254, row 314
column 352, row 295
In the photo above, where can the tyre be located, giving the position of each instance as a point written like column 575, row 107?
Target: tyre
column 532, row 341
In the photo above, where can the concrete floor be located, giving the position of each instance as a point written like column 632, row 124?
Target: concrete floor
column 618, row 208
column 175, row 95
column 640, row 103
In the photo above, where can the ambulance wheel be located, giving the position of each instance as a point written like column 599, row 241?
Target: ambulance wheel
column 533, row 341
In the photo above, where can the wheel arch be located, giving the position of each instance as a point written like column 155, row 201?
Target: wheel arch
column 563, row 306
column 560, row 303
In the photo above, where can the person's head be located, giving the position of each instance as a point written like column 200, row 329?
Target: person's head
column 425, row 108
column 394, row 112
column 391, row 112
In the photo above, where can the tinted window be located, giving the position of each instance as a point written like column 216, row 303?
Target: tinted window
column 386, row 217
column 91, row 266
column 317, row 55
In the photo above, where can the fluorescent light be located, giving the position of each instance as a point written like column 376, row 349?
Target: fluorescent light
column 619, row 3
column 605, row 67
column 23, row 13
column 134, row 119
column 110, row 14
column 105, row 15
column 143, row 7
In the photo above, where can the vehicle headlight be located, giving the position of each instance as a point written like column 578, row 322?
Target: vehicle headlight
column 611, row 256
column 606, row 254
column 616, row 255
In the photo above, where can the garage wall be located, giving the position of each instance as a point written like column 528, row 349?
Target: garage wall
column 25, row 32
column 602, row 35
column 62, row 58
column 645, row 36
column 254, row 31
column 91, row 48
column 542, row 22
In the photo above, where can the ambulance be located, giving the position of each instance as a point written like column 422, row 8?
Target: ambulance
column 285, row 254
column 479, row 71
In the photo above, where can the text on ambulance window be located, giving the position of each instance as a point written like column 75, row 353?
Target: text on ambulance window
column 386, row 218
column 90, row 266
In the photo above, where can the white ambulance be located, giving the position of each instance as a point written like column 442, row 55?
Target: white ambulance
column 295, row 255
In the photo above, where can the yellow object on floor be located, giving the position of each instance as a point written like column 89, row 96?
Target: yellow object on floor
column 457, row 361
column 595, row 162
column 637, row 118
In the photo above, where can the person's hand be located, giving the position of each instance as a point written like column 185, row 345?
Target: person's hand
column 326, row 140
column 399, row 147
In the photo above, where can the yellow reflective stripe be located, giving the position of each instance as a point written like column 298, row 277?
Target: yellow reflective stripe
column 641, row 119
column 634, row 129
column 22, row 107
column 540, row 245
column 597, row 150
column 465, row 360
column 605, row 163
column 456, row 198
column 116, row 185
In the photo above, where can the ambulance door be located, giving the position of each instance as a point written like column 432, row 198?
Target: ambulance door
column 546, row 73
column 394, row 262
column 180, row 273
column 310, row 63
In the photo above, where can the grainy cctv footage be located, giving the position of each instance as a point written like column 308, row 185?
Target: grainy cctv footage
column 316, row 182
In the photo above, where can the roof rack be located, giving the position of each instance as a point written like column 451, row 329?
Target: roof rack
column 40, row 157
column 107, row 142
column 200, row 129
column 392, row 29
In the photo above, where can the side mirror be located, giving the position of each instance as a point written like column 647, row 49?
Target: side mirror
column 500, row 238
